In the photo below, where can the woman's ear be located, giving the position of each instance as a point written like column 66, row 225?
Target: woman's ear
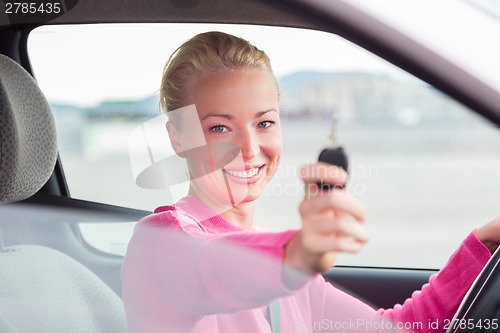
column 175, row 139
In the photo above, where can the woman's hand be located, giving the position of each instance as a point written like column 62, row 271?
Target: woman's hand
column 489, row 234
column 332, row 221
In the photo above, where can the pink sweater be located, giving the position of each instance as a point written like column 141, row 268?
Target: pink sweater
column 189, row 270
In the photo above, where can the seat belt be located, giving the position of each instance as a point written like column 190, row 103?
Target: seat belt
column 274, row 316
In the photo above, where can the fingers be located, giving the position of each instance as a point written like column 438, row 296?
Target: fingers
column 319, row 251
column 322, row 244
column 320, row 171
column 337, row 200
column 331, row 219
column 328, row 225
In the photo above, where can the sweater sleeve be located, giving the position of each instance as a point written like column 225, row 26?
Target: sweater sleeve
column 244, row 270
column 436, row 301
column 220, row 273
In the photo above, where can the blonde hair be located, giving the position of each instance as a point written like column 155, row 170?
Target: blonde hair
column 206, row 53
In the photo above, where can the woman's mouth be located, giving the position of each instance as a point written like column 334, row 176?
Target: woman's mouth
column 250, row 175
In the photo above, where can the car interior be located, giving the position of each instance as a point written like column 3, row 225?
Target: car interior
column 51, row 278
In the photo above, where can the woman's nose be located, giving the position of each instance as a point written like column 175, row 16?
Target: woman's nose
column 249, row 145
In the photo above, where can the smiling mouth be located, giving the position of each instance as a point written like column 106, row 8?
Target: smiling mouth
column 245, row 174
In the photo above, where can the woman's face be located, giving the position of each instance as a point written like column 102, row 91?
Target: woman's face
column 238, row 107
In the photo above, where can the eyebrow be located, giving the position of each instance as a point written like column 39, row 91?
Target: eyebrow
column 230, row 117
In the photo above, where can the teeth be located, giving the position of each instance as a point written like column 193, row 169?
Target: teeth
column 243, row 174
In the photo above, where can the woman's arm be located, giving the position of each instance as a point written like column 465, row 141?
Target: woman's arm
column 425, row 311
column 428, row 309
column 204, row 273
column 439, row 299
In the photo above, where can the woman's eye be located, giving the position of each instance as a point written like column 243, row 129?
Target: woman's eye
column 265, row 124
column 218, row 129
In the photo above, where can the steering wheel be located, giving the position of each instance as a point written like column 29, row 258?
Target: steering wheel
column 480, row 308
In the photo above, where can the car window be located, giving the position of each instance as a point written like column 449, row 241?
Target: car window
column 418, row 160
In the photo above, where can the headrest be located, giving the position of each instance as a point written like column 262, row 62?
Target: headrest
column 28, row 145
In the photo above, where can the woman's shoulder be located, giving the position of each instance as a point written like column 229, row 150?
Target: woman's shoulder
column 174, row 216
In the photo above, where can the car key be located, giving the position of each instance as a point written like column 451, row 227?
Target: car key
column 334, row 155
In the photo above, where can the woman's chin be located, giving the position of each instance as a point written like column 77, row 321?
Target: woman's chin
column 243, row 194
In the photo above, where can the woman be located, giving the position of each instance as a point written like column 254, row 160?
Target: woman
column 200, row 266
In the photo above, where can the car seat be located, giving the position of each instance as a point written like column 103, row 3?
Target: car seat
column 41, row 289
